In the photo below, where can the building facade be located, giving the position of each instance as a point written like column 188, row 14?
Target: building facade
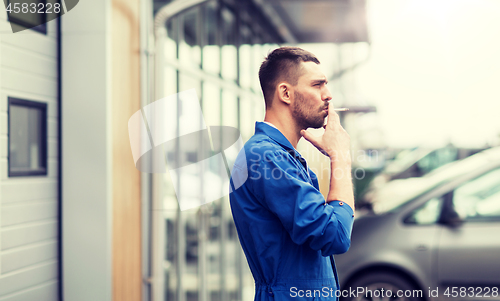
column 78, row 221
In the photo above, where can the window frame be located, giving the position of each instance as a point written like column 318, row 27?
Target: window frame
column 480, row 219
column 441, row 191
column 44, row 143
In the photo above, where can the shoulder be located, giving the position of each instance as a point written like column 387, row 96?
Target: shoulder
column 259, row 147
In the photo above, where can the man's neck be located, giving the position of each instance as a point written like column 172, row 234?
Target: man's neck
column 288, row 129
column 268, row 123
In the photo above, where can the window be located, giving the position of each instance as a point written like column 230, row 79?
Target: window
column 27, row 138
column 479, row 199
column 427, row 214
column 437, row 158
column 476, row 200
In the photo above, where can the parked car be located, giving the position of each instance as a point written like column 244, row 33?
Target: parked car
column 412, row 164
column 439, row 240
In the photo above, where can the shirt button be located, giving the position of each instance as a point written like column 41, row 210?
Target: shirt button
column 340, row 203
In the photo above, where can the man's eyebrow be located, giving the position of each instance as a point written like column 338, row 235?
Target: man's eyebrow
column 319, row 81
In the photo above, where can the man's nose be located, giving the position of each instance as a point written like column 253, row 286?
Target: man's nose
column 327, row 95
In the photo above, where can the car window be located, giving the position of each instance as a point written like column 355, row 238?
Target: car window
column 437, row 158
column 426, row 214
column 479, row 199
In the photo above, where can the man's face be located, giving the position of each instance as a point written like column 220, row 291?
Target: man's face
column 311, row 96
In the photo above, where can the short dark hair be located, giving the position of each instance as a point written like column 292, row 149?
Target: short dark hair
column 282, row 64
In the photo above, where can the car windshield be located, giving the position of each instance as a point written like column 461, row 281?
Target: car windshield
column 398, row 193
column 405, row 159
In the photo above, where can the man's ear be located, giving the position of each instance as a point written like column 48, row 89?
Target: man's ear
column 284, row 92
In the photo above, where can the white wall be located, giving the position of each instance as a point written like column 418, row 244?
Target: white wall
column 86, row 143
column 28, row 205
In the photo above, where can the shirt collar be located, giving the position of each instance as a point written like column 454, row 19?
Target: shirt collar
column 273, row 133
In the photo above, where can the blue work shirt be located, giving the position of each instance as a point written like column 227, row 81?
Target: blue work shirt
column 284, row 225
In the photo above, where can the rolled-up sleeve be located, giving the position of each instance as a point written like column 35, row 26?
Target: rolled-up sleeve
column 301, row 207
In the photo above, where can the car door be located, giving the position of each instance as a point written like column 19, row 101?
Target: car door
column 469, row 243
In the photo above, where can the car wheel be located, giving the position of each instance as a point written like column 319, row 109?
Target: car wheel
column 381, row 286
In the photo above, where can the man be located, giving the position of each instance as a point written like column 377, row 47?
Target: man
column 286, row 227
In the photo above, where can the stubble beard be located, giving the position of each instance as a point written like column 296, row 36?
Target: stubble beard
column 304, row 118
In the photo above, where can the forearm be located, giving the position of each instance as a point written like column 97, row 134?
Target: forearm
column 341, row 187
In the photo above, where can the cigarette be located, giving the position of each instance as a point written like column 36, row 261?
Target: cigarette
column 341, row 109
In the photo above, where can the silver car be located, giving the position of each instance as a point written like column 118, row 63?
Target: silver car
column 440, row 242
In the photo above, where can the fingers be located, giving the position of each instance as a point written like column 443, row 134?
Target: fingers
column 333, row 117
column 309, row 137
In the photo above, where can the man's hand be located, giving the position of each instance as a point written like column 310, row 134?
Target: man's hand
column 335, row 142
